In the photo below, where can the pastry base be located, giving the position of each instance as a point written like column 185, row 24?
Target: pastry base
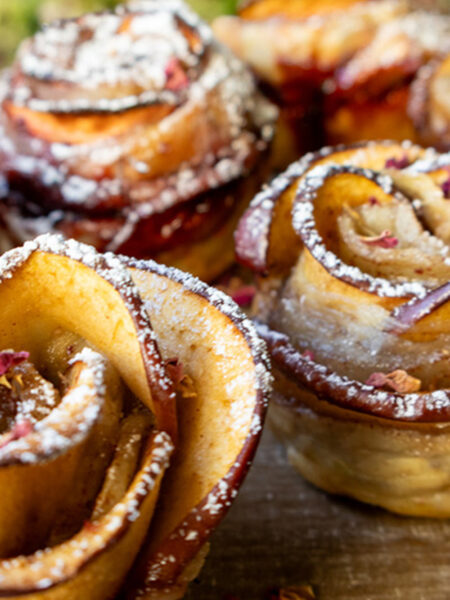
column 400, row 466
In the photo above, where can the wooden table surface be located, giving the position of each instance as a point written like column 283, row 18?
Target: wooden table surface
column 282, row 531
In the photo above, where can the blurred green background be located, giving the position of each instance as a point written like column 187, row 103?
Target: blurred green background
column 20, row 18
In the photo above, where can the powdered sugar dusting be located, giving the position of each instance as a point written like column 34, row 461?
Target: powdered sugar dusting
column 120, row 173
column 62, row 52
column 430, row 163
column 48, row 567
column 109, row 267
column 252, row 235
column 348, row 393
column 68, row 423
column 227, row 306
column 246, row 394
column 304, row 223
column 346, row 324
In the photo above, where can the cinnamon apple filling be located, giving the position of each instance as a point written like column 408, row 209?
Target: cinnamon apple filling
column 94, row 401
column 139, row 150
column 355, row 316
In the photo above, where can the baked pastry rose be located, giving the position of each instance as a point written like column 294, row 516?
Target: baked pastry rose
column 341, row 71
column 351, row 246
column 122, row 443
column 133, row 131
column 429, row 102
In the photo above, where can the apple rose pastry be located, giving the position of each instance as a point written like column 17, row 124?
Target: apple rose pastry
column 375, row 88
column 133, row 131
column 351, row 246
column 121, row 446
column 429, row 102
column 341, row 70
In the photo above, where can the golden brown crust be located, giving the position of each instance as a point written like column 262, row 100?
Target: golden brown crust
column 400, row 468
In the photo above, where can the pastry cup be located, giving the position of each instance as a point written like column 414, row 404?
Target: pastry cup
column 134, row 466
column 351, row 249
column 401, row 466
column 149, row 153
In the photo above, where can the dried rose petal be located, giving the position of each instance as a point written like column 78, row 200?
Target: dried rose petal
column 176, row 77
column 377, row 379
column 374, row 201
column 244, row 295
column 175, row 370
column 446, row 188
column 9, row 359
column 399, row 381
column 397, row 163
column 309, row 354
column 384, row 240
column 90, row 526
column 20, row 430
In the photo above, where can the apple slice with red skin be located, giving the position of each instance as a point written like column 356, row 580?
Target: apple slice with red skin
column 93, row 562
column 409, row 314
column 34, row 281
column 48, row 468
column 265, row 239
column 220, row 423
column 421, row 407
column 42, row 462
column 144, row 165
column 214, row 452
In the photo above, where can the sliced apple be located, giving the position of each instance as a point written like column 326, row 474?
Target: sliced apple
column 34, row 290
column 336, row 392
column 59, row 297
column 265, row 239
column 391, row 57
column 41, row 469
column 299, row 9
column 221, row 405
column 93, row 563
column 356, row 323
column 269, row 33
column 134, row 153
column 82, row 129
column 428, row 104
column 219, row 425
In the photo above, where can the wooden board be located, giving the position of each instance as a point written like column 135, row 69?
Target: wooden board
column 282, row 531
